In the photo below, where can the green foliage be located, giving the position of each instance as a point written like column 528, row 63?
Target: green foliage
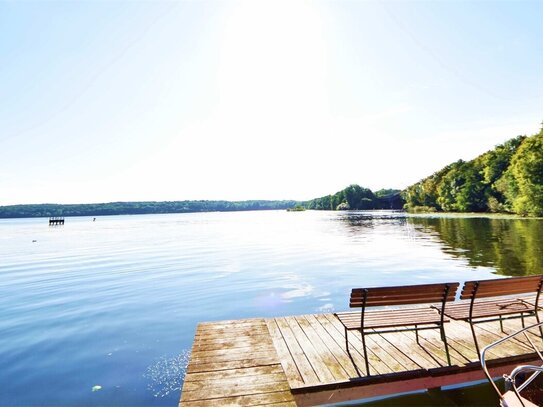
column 462, row 189
column 526, row 172
column 357, row 197
column 135, row 208
column 506, row 179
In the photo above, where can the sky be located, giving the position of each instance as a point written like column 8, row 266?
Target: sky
column 105, row 101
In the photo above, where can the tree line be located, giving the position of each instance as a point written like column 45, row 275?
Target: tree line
column 508, row 178
column 357, row 197
column 134, row 208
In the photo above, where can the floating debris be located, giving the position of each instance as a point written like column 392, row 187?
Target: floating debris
column 167, row 374
column 96, row 388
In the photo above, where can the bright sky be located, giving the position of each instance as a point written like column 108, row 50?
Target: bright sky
column 114, row 100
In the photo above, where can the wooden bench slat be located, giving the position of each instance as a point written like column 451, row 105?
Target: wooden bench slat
column 405, row 295
column 532, row 285
column 423, row 288
column 495, row 293
column 390, row 318
column 394, row 301
column 502, row 286
column 387, row 320
column 487, row 308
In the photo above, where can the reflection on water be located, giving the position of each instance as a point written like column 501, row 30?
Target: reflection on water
column 114, row 303
column 514, row 247
column 167, row 374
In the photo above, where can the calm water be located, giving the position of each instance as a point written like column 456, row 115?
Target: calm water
column 114, row 303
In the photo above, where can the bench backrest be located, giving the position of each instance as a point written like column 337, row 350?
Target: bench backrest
column 501, row 287
column 403, row 295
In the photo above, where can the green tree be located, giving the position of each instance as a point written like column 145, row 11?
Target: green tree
column 461, row 189
column 527, row 172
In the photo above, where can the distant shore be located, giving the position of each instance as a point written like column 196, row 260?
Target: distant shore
column 140, row 208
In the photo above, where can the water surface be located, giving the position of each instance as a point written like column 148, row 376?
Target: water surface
column 114, row 303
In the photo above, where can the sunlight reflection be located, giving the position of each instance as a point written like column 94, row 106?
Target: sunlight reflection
column 167, row 374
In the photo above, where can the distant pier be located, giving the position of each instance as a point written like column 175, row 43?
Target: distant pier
column 55, row 221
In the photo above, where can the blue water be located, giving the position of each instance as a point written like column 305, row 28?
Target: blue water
column 114, row 303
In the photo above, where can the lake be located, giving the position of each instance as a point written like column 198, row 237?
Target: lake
column 104, row 313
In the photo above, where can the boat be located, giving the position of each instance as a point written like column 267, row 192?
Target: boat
column 523, row 378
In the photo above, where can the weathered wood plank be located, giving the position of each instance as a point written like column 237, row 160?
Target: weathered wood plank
column 339, row 352
column 321, row 369
column 231, row 364
column 225, row 374
column 431, row 342
column 355, row 356
column 234, row 364
column 233, row 390
column 274, row 399
column 459, row 335
column 377, row 365
column 409, row 347
column 287, row 362
column 259, row 362
column 227, row 357
column 355, row 348
column 240, row 381
column 327, row 357
column 304, row 367
column 235, row 352
column 230, row 342
column 226, row 333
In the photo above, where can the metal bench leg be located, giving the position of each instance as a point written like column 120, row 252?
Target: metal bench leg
column 417, row 334
column 365, row 352
column 444, row 339
column 471, row 325
column 539, row 321
column 501, row 323
column 522, row 318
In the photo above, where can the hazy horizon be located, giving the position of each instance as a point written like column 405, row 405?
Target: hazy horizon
column 154, row 200
column 265, row 100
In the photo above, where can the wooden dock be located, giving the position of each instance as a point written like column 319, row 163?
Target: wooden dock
column 302, row 360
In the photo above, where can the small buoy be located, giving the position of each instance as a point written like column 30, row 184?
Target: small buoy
column 96, row 388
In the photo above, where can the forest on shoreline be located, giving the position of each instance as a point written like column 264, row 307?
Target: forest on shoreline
column 139, row 208
column 507, row 179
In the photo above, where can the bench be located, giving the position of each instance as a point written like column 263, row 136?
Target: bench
column 496, row 300
column 389, row 320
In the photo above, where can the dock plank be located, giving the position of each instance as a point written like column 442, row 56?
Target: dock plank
column 355, row 356
column 275, row 399
column 235, row 367
column 234, row 373
column 320, row 366
column 232, row 364
column 287, row 362
column 328, row 358
column 377, row 365
column 302, row 360
column 338, row 351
